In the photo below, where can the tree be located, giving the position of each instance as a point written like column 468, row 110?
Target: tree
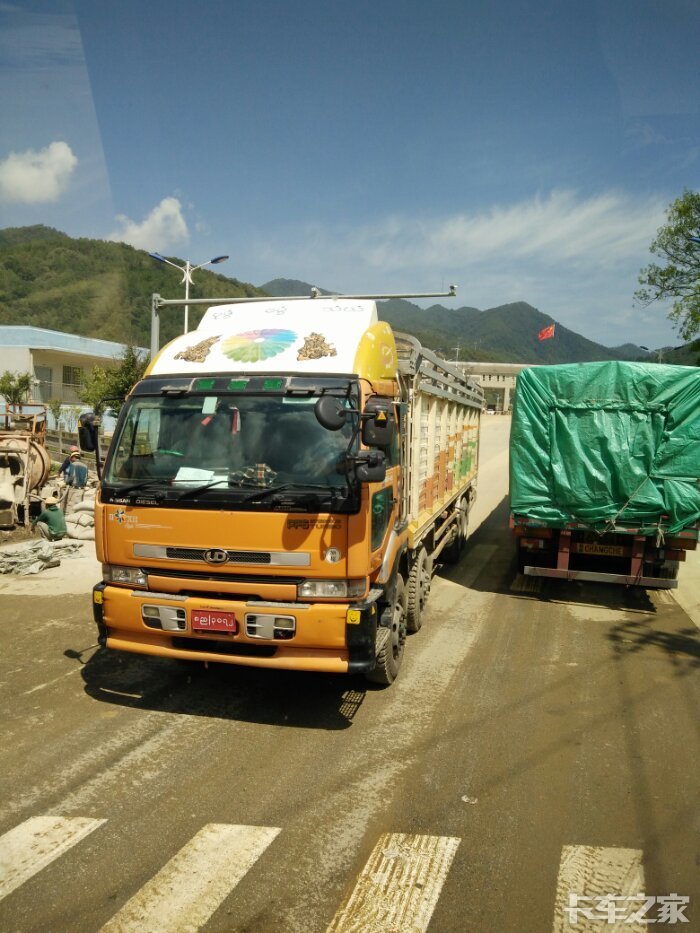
column 115, row 384
column 679, row 278
column 15, row 387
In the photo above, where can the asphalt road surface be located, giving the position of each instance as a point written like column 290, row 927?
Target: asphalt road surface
column 540, row 744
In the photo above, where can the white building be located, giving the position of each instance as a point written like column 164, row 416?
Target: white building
column 497, row 380
column 56, row 361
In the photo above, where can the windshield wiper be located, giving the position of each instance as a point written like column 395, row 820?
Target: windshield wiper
column 302, row 488
column 144, row 484
column 193, row 492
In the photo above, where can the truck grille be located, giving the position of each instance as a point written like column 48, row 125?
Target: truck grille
column 234, row 557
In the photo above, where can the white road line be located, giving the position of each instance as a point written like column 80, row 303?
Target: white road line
column 49, row 683
column 399, row 886
column 187, row 891
column 593, row 872
column 34, row 844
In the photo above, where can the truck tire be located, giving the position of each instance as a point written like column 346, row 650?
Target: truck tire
column 390, row 654
column 418, row 589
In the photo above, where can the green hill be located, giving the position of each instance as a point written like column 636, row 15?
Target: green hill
column 101, row 289
column 93, row 287
column 507, row 333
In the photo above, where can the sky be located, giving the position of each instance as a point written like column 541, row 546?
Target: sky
column 524, row 150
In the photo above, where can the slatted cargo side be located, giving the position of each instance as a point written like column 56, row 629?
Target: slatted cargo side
column 441, row 434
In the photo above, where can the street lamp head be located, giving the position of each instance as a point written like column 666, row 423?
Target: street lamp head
column 218, row 259
column 157, row 256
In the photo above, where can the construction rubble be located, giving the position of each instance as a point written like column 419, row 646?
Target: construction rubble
column 78, row 506
column 35, row 556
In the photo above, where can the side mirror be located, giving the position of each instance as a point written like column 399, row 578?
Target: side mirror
column 377, row 423
column 370, row 467
column 330, row 412
column 87, row 431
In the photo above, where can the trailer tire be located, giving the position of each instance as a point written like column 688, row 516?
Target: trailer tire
column 418, row 590
column 390, row 655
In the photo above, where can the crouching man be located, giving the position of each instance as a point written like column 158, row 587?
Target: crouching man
column 51, row 523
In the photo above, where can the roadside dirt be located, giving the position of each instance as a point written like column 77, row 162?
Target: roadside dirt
column 16, row 536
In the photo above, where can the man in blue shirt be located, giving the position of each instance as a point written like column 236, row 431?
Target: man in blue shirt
column 76, row 472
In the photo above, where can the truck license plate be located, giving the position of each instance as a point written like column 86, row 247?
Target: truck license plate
column 207, row 620
column 604, row 550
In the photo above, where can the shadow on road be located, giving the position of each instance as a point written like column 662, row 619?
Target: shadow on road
column 500, row 574
column 281, row 698
column 681, row 647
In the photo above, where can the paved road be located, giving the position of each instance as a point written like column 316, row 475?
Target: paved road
column 541, row 740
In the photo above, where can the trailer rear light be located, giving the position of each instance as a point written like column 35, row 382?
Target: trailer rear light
column 687, row 544
column 167, row 618
column 331, row 589
column 125, row 576
column 530, row 532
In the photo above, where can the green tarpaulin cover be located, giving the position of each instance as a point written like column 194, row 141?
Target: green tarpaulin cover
column 607, row 445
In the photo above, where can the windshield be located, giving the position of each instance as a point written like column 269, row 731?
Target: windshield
column 227, row 442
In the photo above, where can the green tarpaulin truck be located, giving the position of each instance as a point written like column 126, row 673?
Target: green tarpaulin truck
column 605, row 471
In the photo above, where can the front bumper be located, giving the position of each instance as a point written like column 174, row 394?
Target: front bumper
column 328, row 637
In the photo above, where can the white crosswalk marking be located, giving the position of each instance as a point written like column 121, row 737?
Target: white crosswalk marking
column 34, row 844
column 399, row 886
column 187, row 891
column 591, row 873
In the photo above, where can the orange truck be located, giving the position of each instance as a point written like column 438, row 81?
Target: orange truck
column 279, row 487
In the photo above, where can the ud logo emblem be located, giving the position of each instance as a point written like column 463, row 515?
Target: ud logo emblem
column 216, row 555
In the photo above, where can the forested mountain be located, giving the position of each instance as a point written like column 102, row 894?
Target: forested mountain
column 507, row 333
column 102, row 289
column 93, row 287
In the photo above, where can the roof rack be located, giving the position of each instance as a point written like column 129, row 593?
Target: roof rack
column 437, row 376
column 157, row 303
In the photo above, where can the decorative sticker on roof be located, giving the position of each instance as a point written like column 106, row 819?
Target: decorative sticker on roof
column 254, row 345
column 315, row 346
column 198, row 352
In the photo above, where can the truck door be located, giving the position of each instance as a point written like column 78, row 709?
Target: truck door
column 384, row 500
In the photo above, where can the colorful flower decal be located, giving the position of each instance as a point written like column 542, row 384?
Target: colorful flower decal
column 256, row 345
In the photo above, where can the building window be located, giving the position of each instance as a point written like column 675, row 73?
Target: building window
column 72, row 375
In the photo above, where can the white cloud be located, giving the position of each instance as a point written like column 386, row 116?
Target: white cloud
column 36, row 177
column 572, row 257
column 162, row 229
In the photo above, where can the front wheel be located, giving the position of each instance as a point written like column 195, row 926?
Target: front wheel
column 391, row 637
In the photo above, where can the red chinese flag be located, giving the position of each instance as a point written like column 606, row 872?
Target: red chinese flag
column 546, row 332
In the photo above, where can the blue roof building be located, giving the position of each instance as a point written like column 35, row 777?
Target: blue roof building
column 56, row 360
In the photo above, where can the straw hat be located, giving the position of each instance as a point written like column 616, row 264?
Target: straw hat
column 76, row 453
column 51, row 500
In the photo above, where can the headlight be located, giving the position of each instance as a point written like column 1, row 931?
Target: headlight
column 126, row 576
column 331, row 589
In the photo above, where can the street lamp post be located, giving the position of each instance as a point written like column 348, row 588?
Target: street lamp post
column 187, row 271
